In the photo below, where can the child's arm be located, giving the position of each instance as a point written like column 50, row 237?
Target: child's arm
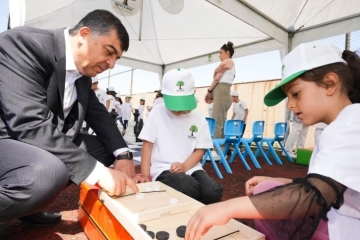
column 145, row 161
column 193, row 159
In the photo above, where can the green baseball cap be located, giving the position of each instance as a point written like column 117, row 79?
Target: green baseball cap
column 178, row 90
column 304, row 57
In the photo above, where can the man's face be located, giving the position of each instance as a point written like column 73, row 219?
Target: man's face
column 95, row 54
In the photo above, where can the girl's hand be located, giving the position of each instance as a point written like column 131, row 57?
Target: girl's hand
column 252, row 182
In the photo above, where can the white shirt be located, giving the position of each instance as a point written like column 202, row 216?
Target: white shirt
column 72, row 74
column 175, row 138
column 113, row 103
column 210, row 107
column 239, row 110
column 158, row 101
column 228, row 76
column 102, row 96
column 337, row 155
column 70, row 96
column 126, row 110
column 141, row 111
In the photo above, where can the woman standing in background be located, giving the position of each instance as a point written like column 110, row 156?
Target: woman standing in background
column 219, row 89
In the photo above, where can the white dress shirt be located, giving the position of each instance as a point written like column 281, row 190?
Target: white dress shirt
column 70, row 96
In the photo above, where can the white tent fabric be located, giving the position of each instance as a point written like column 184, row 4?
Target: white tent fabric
column 190, row 30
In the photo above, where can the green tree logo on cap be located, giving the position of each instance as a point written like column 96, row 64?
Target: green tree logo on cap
column 193, row 129
column 180, row 84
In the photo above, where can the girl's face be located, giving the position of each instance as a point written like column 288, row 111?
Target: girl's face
column 307, row 100
column 224, row 54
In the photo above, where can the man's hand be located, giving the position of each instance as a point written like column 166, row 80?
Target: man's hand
column 114, row 182
column 176, row 167
column 126, row 166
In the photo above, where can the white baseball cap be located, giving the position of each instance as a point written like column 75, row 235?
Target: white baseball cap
column 94, row 80
column 128, row 96
column 303, row 58
column 234, row 93
column 111, row 89
column 142, row 98
column 178, row 90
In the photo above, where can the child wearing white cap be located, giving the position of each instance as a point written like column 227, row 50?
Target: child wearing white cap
column 126, row 109
column 175, row 137
column 101, row 94
column 240, row 109
column 322, row 84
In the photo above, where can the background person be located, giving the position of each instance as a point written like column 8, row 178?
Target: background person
column 223, row 78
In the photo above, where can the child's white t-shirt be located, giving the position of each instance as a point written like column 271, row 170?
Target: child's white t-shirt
column 126, row 110
column 102, row 96
column 239, row 110
column 175, row 138
column 118, row 109
column 141, row 112
column 337, row 155
column 113, row 103
column 210, row 107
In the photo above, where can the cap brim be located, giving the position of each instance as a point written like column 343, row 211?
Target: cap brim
column 277, row 94
column 180, row 103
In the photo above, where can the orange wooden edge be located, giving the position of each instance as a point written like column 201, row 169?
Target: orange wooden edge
column 95, row 219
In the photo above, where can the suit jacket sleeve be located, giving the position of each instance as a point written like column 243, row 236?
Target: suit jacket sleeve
column 103, row 124
column 26, row 66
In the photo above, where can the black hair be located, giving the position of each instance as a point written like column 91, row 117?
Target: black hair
column 158, row 94
column 102, row 22
column 120, row 100
column 228, row 47
column 348, row 73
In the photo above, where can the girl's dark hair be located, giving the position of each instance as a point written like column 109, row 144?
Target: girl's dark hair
column 158, row 94
column 228, row 47
column 120, row 100
column 349, row 75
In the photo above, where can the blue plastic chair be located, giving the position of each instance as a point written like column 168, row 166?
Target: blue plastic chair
column 232, row 131
column 280, row 132
column 211, row 123
column 258, row 132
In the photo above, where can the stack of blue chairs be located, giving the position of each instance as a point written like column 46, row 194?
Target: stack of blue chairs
column 279, row 132
column 211, row 123
column 257, row 132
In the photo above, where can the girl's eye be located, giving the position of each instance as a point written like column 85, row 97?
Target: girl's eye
column 295, row 94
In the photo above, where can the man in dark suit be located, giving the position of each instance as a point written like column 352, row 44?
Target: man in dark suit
column 45, row 95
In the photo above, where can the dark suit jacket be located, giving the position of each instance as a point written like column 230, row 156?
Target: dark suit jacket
column 32, row 82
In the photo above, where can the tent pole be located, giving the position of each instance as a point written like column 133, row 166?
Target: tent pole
column 131, row 83
column 141, row 19
column 347, row 41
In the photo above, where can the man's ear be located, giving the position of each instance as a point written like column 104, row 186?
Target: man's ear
column 84, row 32
column 331, row 82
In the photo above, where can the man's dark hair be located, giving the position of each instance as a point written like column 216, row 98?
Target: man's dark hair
column 101, row 22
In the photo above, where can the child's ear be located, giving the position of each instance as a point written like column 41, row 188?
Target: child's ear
column 331, row 82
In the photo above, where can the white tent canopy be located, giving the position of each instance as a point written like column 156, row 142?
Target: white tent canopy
column 167, row 34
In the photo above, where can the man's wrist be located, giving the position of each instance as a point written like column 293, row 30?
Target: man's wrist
column 209, row 90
